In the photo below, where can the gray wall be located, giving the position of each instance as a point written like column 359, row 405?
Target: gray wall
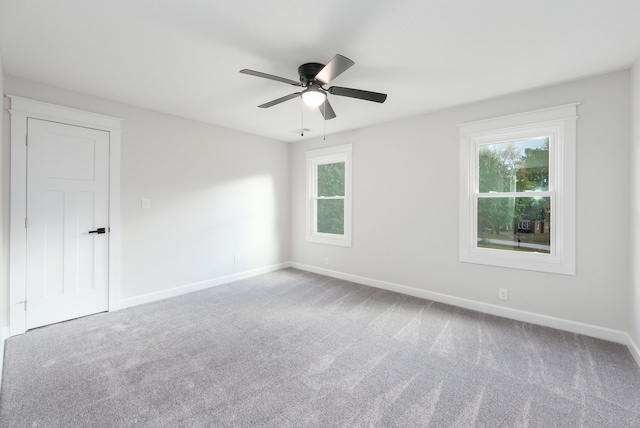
column 634, row 300
column 406, row 214
column 207, row 185
column 4, row 168
column 214, row 193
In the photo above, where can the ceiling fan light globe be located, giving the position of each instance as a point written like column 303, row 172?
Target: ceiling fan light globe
column 313, row 98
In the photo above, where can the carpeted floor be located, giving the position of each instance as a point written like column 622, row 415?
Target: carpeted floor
column 294, row 349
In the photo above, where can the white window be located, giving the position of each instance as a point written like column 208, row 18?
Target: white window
column 329, row 196
column 517, row 196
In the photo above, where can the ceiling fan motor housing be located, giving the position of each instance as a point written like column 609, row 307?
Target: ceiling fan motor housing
column 308, row 72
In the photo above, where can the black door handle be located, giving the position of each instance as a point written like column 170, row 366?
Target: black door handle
column 99, row 230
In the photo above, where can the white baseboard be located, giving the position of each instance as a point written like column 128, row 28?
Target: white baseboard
column 197, row 286
column 515, row 314
column 4, row 335
column 634, row 349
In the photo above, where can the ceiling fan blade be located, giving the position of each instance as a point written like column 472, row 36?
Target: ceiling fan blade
column 358, row 93
column 327, row 110
column 270, row 77
column 338, row 65
column 280, row 100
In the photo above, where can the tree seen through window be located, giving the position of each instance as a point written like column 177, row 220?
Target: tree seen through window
column 331, row 192
column 510, row 177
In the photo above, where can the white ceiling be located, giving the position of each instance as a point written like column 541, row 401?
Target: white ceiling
column 183, row 56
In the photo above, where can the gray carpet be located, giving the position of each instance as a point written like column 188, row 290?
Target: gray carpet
column 293, row 349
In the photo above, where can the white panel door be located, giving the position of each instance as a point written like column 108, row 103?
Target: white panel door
column 67, row 204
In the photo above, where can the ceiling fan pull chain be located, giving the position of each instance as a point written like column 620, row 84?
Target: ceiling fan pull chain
column 324, row 122
column 301, row 119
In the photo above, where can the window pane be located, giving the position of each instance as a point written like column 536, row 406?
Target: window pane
column 519, row 224
column 331, row 216
column 331, row 179
column 514, row 166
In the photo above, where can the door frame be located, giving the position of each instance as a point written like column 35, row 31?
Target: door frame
column 22, row 109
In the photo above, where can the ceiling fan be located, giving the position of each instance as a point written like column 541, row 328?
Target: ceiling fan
column 313, row 77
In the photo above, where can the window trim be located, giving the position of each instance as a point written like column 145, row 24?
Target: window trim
column 559, row 123
column 324, row 156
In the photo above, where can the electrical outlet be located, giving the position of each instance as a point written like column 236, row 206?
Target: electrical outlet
column 326, row 261
column 503, row 294
column 236, row 258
